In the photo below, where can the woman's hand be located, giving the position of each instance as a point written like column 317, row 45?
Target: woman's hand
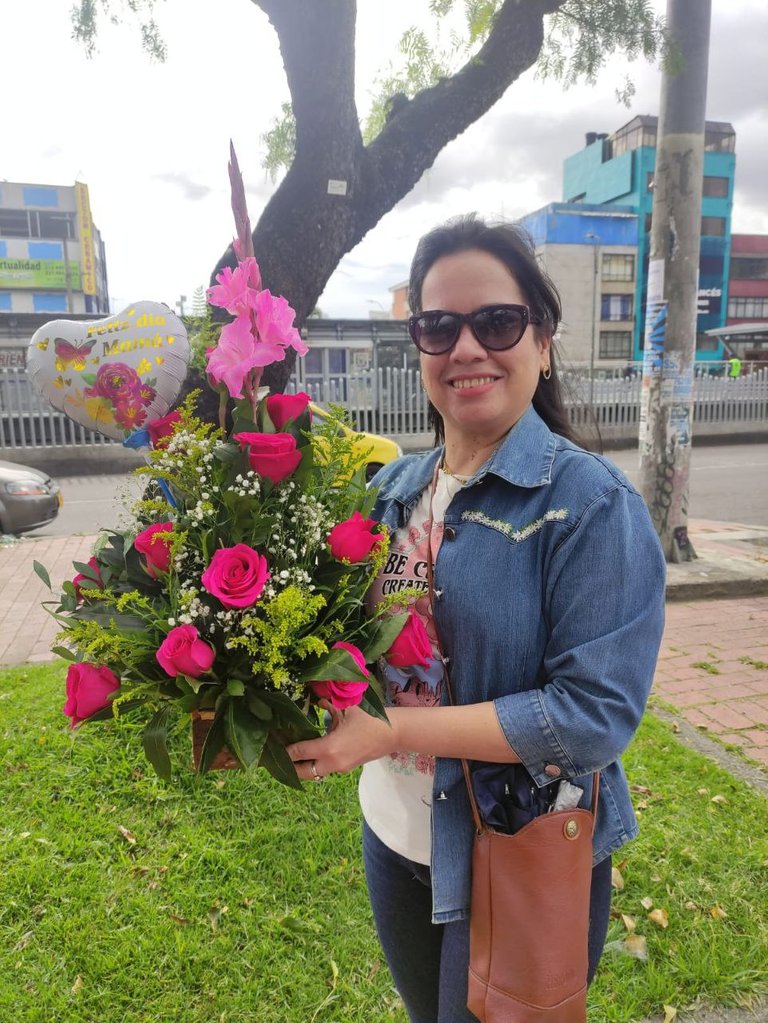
column 355, row 737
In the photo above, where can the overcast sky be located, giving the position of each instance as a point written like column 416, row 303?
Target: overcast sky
column 151, row 141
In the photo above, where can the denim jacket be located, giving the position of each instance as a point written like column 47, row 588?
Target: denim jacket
column 549, row 601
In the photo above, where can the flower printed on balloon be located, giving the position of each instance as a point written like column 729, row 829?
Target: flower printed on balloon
column 237, row 591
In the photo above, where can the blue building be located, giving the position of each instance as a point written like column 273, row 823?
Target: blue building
column 618, row 169
column 590, row 251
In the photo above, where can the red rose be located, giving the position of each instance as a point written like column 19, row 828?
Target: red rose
column 162, row 429
column 182, row 652
column 282, row 407
column 115, row 381
column 343, row 694
column 353, row 539
column 155, row 544
column 79, row 578
column 272, row 455
column 236, row 575
column 88, row 690
column 412, row 645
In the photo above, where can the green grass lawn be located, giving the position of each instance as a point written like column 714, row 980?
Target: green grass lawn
column 229, row 899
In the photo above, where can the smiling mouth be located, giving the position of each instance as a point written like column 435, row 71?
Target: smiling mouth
column 472, row 382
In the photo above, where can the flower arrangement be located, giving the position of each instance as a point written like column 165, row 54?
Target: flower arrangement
column 239, row 593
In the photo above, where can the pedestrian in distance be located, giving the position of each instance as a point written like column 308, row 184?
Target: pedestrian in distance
column 546, row 603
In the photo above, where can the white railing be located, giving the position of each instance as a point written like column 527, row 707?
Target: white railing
column 391, row 402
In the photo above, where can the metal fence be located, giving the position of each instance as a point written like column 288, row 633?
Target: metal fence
column 391, row 402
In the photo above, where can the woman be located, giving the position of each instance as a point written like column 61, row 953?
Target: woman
column 548, row 602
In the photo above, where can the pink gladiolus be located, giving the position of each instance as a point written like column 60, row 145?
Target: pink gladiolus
column 237, row 354
column 237, row 289
column 274, row 321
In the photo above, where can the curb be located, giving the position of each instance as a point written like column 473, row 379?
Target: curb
column 736, row 586
column 758, row 1014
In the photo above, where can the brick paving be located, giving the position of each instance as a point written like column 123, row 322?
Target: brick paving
column 713, row 668
column 26, row 628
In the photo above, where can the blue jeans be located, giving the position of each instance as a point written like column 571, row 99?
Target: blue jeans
column 429, row 962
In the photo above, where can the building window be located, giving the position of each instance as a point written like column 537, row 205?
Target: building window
column 713, row 226
column 56, row 225
column 616, row 307
column 752, row 268
column 41, row 197
column 37, row 224
column 719, row 140
column 618, row 266
column 711, row 266
column 717, row 188
column 14, row 224
column 49, row 302
column 615, row 344
column 748, row 308
column 5, row 301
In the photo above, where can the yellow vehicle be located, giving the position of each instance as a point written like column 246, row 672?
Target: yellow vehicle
column 378, row 450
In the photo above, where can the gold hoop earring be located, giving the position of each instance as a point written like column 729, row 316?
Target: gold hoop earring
column 547, row 373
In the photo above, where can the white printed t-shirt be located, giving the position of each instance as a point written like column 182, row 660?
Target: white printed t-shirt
column 396, row 791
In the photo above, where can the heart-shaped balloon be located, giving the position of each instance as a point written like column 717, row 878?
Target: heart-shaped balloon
column 112, row 375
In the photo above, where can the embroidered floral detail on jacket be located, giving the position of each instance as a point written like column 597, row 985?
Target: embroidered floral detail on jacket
column 555, row 515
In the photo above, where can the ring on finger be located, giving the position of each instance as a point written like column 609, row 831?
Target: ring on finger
column 313, row 771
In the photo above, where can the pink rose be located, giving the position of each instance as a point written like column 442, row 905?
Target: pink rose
column 236, row 575
column 79, row 578
column 88, row 689
column 282, row 407
column 353, row 539
column 162, row 429
column 412, row 645
column 182, row 652
column 343, row 694
column 272, row 455
column 154, row 543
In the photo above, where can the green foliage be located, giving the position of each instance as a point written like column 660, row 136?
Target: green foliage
column 226, row 896
column 85, row 23
column 280, row 142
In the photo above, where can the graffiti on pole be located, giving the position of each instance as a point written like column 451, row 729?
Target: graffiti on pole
column 655, row 338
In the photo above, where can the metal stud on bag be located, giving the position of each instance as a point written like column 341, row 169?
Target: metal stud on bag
column 571, row 829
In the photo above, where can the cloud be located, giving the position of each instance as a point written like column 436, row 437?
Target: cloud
column 190, row 189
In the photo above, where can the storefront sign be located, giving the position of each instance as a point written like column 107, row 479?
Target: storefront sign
column 39, row 273
column 87, row 255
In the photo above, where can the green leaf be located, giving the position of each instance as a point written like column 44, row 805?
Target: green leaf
column 106, row 713
column 41, row 573
column 226, row 453
column 235, row 687
column 88, row 378
column 278, row 763
column 193, row 683
column 258, row 707
column 246, row 735
column 288, row 720
column 62, row 651
column 214, row 741
column 337, row 665
column 372, row 705
column 69, row 588
column 87, row 571
column 155, row 740
column 384, row 635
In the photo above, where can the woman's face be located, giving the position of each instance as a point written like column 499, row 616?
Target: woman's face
column 480, row 394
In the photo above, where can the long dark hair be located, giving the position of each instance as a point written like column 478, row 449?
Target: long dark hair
column 512, row 247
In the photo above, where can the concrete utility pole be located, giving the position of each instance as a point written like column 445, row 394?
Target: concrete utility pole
column 673, row 276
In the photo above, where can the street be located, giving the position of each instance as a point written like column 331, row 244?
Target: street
column 729, row 483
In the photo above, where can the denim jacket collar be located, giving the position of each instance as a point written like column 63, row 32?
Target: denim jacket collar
column 524, row 458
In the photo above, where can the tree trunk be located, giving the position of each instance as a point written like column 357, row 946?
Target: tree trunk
column 309, row 224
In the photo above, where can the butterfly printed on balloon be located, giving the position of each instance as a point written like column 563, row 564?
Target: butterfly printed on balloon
column 72, row 356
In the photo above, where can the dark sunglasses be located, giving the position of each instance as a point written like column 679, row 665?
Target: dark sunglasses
column 496, row 327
